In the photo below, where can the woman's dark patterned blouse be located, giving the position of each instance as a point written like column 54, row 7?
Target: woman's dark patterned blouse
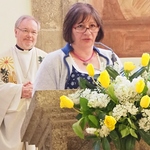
column 73, row 82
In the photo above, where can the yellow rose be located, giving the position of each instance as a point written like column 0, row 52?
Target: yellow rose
column 145, row 59
column 140, row 86
column 90, row 70
column 145, row 101
column 129, row 66
column 65, row 102
column 110, row 122
column 104, row 79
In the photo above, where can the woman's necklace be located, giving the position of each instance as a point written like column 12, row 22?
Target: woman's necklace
column 85, row 61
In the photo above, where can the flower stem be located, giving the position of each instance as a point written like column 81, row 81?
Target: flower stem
column 77, row 110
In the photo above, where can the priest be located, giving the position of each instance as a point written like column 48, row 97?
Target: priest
column 18, row 67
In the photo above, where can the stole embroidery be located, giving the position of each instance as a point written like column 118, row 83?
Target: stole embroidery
column 7, row 72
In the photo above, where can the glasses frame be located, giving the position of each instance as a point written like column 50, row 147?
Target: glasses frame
column 25, row 31
column 86, row 28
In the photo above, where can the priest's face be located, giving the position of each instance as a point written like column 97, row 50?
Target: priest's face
column 26, row 34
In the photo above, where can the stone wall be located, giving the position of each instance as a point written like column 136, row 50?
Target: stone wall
column 51, row 13
column 126, row 24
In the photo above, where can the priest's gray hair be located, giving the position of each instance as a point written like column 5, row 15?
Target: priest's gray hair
column 20, row 19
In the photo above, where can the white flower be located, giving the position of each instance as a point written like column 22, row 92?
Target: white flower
column 122, row 110
column 86, row 93
column 144, row 122
column 75, row 97
column 91, row 130
column 104, row 131
column 145, row 75
column 98, row 100
column 124, row 89
column 148, row 85
column 95, row 99
column 119, row 111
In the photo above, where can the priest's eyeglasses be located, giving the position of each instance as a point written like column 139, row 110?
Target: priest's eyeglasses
column 82, row 28
column 26, row 31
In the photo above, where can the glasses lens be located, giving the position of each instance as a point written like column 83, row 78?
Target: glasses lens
column 25, row 31
column 82, row 29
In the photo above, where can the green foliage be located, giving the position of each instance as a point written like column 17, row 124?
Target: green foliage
column 116, row 139
column 137, row 73
column 105, row 144
column 145, row 136
column 112, row 72
column 97, row 144
column 77, row 129
column 83, row 83
column 110, row 92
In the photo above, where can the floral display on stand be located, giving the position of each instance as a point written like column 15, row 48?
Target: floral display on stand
column 116, row 108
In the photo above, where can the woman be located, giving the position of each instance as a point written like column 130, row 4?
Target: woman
column 61, row 69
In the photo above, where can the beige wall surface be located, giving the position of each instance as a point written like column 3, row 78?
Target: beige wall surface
column 10, row 11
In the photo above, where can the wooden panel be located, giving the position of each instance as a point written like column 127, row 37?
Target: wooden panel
column 128, row 36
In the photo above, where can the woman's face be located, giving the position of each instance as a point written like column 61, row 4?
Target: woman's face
column 85, row 33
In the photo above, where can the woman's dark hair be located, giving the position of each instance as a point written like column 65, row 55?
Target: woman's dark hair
column 80, row 11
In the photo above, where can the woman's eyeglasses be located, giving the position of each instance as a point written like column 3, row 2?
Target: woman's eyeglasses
column 82, row 28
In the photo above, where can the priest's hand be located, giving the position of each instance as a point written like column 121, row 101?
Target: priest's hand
column 27, row 89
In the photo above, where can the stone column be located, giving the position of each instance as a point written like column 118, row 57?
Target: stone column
column 51, row 13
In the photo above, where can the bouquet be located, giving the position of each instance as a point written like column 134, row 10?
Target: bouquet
column 116, row 108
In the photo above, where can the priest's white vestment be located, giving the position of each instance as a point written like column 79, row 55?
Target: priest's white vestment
column 16, row 68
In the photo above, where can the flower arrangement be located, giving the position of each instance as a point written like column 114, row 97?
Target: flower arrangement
column 116, row 108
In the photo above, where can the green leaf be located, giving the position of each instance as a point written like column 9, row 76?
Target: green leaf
column 130, row 143
column 137, row 73
column 83, row 83
column 131, row 123
column 110, row 92
column 105, row 144
column 110, row 106
column 115, row 138
column 100, row 114
column 124, row 132
column 78, row 130
column 84, row 122
column 112, row 72
column 79, row 116
column 97, row 145
column 145, row 90
column 83, row 104
column 94, row 120
column 122, row 126
column 132, row 132
column 145, row 136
